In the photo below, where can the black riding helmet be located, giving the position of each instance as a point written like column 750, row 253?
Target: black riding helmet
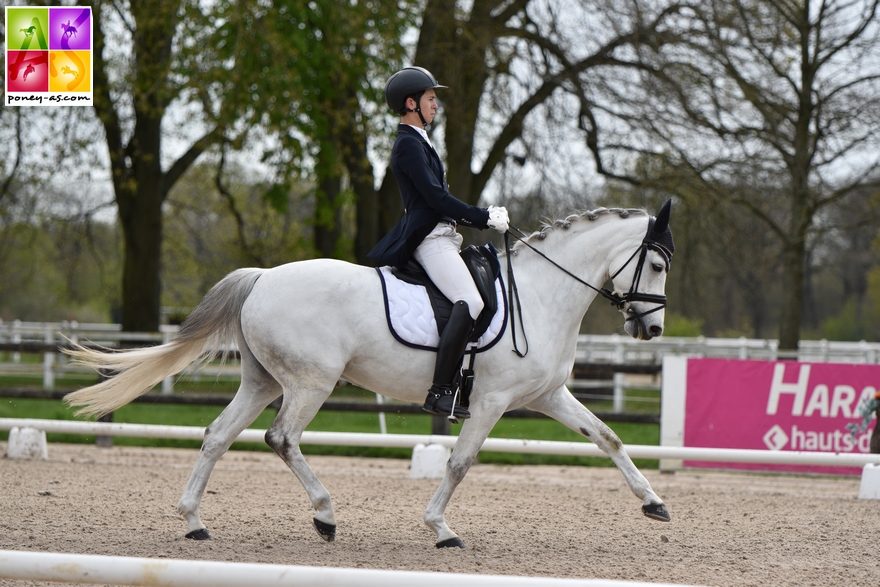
column 409, row 82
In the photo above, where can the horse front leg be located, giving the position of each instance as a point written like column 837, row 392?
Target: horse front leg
column 562, row 406
column 473, row 433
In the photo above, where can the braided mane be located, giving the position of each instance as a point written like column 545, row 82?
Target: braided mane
column 565, row 223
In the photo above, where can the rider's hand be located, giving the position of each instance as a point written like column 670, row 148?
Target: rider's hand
column 498, row 218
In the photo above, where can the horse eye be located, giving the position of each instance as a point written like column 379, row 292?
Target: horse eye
column 657, row 267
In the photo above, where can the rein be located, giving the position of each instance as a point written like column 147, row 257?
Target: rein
column 617, row 300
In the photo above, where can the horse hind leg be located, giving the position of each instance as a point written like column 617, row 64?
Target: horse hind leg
column 298, row 409
column 256, row 392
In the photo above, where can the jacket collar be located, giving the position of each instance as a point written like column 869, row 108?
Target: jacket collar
column 407, row 129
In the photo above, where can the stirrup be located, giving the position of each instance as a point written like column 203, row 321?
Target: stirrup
column 453, row 416
column 443, row 402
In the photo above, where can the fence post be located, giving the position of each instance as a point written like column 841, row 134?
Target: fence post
column 16, row 338
column 383, row 428
column 168, row 382
column 867, row 352
column 440, row 425
column 48, row 360
column 100, row 440
column 618, row 377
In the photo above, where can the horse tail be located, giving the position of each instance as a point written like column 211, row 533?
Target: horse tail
column 213, row 322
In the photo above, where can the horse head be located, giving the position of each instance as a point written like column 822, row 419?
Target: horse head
column 641, row 274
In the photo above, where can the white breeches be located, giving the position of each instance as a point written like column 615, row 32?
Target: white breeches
column 439, row 256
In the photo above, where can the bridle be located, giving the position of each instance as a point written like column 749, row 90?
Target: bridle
column 621, row 302
column 633, row 295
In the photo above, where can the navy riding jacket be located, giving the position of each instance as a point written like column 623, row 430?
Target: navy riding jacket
column 426, row 199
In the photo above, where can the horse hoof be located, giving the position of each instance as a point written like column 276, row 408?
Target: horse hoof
column 656, row 511
column 451, row 543
column 325, row 530
column 200, row 534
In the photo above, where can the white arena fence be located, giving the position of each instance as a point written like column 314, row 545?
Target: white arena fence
column 613, row 348
column 584, row 449
column 94, row 569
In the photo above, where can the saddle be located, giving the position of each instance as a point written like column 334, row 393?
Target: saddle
column 482, row 262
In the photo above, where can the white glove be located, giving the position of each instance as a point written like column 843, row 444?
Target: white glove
column 498, row 218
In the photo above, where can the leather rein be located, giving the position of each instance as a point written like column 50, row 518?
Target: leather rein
column 616, row 299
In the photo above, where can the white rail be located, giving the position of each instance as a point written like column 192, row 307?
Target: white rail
column 81, row 568
column 611, row 348
column 591, row 347
column 54, row 365
column 585, row 449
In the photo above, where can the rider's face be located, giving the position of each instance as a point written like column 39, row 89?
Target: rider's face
column 429, row 105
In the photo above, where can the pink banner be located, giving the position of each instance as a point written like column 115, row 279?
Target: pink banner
column 777, row 405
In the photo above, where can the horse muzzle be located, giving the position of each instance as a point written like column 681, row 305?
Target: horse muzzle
column 642, row 325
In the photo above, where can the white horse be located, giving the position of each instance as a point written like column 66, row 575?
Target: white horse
column 303, row 326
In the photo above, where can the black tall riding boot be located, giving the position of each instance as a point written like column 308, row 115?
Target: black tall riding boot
column 453, row 342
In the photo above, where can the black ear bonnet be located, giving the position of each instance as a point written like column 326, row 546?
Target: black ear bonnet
column 659, row 235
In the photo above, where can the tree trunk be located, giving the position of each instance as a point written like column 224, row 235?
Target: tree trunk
column 367, row 201
column 139, row 183
column 794, row 254
column 141, row 217
column 360, row 172
column 328, row 217
column 390, row 204
column 140, row 211
column 792, row 295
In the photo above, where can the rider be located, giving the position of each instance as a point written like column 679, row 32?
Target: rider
column 427, row 232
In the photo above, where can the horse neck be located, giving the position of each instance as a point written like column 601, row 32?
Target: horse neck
column 589, row 250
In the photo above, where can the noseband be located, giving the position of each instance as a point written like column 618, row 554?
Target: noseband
column 621, row 302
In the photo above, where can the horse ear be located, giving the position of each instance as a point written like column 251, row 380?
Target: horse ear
column 662, row 222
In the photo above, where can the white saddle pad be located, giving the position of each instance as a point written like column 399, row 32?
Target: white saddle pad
column 411, row 317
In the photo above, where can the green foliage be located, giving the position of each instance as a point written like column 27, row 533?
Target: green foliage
column 678, row 325
column 303, row 71
column 277, row 197
column 293, row 77
column 209, row 233
column 858, row 318
column 25, row 269
column 845, row 325
column 59, row 270
column 334, row 58
column 872, row 303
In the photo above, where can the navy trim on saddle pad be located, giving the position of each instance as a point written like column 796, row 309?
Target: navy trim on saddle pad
column 502, row 307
